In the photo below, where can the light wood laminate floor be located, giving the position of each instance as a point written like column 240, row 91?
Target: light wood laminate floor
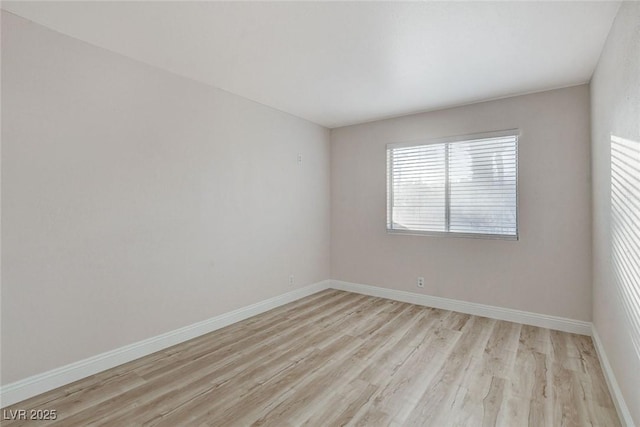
column 338, row 358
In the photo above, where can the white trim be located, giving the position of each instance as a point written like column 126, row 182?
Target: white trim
column 616, row 394
column 40, row 383
column 511, row 315
column 37, row 384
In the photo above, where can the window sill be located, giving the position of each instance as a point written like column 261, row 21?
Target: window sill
column 454, row 234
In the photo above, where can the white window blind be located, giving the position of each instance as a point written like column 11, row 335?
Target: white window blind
column 461, row 185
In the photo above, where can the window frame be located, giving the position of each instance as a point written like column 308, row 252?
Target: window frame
column 452, row 139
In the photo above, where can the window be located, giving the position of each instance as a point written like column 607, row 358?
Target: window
column 455, row 186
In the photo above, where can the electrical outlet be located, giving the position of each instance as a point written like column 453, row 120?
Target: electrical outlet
column 299, row 159
column 291, row 279
column 421, row 282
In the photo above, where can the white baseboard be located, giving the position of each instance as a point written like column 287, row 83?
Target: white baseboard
column 511, row 315
column 616, row 394
column 37, row 384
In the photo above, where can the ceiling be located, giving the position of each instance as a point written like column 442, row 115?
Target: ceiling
column 339, row 63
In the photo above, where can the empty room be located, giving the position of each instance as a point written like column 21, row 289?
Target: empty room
column 320, row 213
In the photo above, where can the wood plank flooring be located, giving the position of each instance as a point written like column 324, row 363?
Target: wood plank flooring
column 337, row 358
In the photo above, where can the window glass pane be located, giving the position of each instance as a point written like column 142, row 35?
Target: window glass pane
column 482, row 185
column 418, row 187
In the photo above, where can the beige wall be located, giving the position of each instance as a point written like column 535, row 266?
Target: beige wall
column 547, row 271
column 136, row 202
column 615, row 109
